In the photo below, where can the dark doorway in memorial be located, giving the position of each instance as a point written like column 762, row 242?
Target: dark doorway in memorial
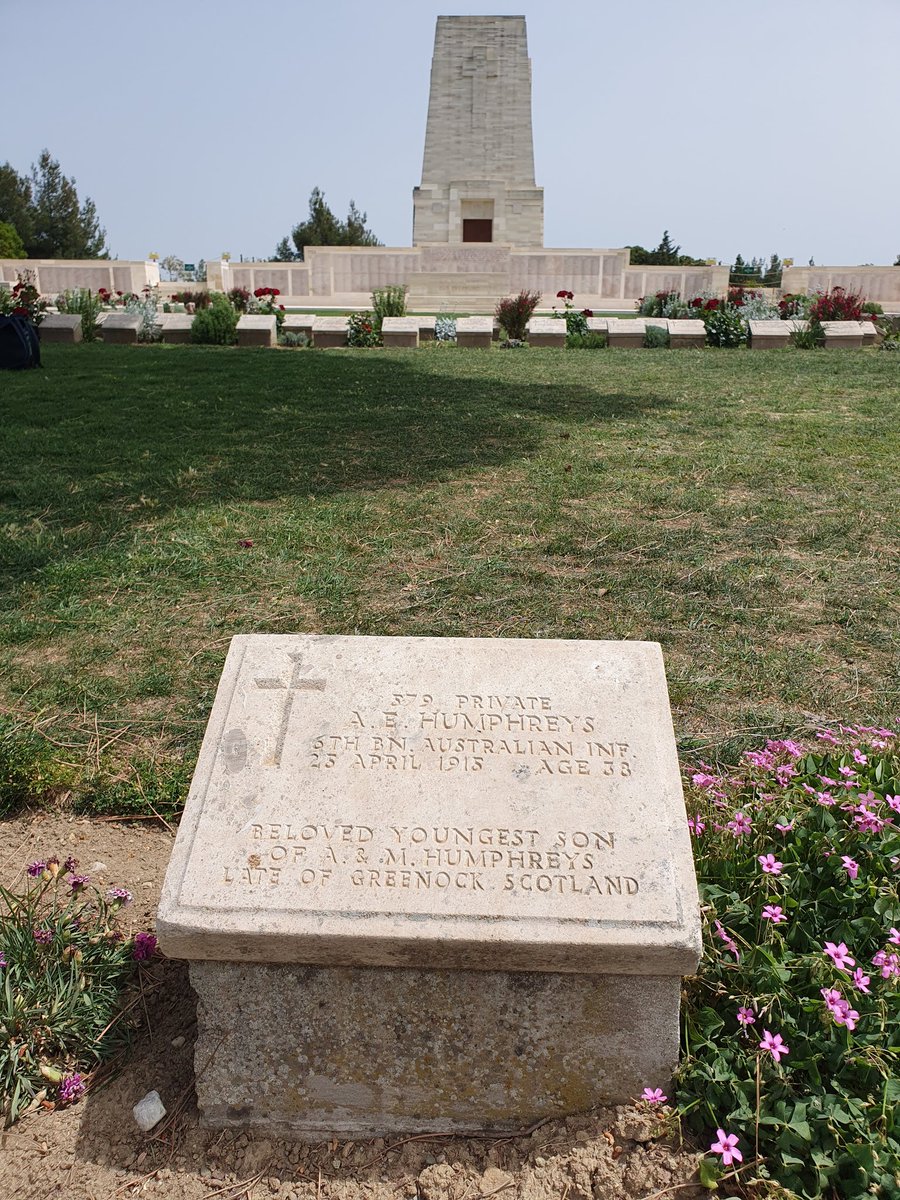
column 478, row 229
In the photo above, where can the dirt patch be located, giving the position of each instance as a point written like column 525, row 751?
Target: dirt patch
column 95, row 1151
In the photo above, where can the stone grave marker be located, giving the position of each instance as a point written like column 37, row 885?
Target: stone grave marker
column 843, row 335
column 61, row 327
column 547, row 331
column 400, row 332
column 119, row 328
column 330, row 332
column 257, row 329
column 175, row 327
column 687, row 333
column 476, row 333
column 626, row 334
column 432, row 884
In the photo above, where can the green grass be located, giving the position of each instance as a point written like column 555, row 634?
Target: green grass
column 740, row 509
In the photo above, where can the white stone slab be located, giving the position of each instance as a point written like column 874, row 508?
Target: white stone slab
column 547, row 331
column 330, row 332
column 687, row 333
column 175, row 327
column 299, row 323
column 257, row 329
column 400, row 332
column 475, row 332
column 597, row 324
column 843, row 335
column 626, row 334
column 437, row 802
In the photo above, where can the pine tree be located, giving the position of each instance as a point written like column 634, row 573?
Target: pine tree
column 11, row 245
column 15, row 201
column 666, row 254
column 323, row 228
column 61, row 227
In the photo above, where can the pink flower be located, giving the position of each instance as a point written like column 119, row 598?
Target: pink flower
column 859, row 757
column 730, row 943
column 840, row 955
column 775, row 1044
column 894, row 802
column 653, row 1096
column 825, row 799
column 895, row 936
column 740, row 825
column 851, row 867
column 825, row 735
column 727, row 1147
column 773, row 913
column 769, row 864
column 845, row 1015
column 704, row 780
column 784, row 828
column 860, row 981
column 746, row 1016
column 832, row 998
column 696, row 825
column 847, row 772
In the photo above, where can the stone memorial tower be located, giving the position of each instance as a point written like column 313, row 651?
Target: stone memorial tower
column 478, row 172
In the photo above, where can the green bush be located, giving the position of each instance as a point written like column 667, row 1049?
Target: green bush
column 11, row 245
column 655, row 337
column 809, row 338
column 361, row 330
column 725, row 326
column 216, row 324
column 586, row 341
column 388, row 302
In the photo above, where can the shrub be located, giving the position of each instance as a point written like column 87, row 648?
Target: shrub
column 514, row 313
column 11, row 245
column 83, row 301
column 215, row 324
column 724, row 326
column 146, row 307
column 23, row 300
column 793, row 304
column 64, row 965
column 810, row 337
column 836, row 305
column 655, row 337
column 758, row 308
column 265, row 300
column 586, row 341
column 576, row 322
column 199, row 300
column 388, row 302
column 792, row 1024
column 445, row 329
column 872, row 308
column 240, row 298
column 296, row 340
column 361, row 330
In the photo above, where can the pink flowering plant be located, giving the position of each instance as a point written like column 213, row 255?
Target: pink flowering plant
column 64, row 967
column 791, row 1031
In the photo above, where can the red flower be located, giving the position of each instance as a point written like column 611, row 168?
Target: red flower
column 570, row 295
column 274, row 291
column 695, row 303
column 20, row 312
column 118, row 293
column 259, row 292
column 281, row 306
column 588, row 312
column 562, row 295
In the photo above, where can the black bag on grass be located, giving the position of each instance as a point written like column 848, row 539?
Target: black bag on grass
column 19, row 345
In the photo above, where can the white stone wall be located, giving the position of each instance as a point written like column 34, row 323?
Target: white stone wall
column 54, row 275
column 881, row 284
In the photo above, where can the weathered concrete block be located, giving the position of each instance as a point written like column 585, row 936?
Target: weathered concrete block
column 400, row 332
column 119, row 328
column 477, row 844
column 476, row 333
column 597, row 324
column 257, row 329
column 330, row 332
column 61, row 327
column 313, row 1051
column 872, row 335
column 843, row 335
column 687, row 334
column 426, row 328
column 626, row 334
column 547, row 331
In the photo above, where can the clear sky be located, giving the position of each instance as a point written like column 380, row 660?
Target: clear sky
column 200, row 126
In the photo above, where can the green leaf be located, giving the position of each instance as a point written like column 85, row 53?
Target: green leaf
column 710, row 1174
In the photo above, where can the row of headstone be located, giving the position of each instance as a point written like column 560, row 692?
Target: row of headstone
column 258, row 329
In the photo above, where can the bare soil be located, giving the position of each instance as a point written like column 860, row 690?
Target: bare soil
column 95, row 1151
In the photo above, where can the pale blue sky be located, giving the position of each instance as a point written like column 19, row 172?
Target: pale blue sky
column 199, row 126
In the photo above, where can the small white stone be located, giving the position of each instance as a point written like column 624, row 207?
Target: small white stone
column 178, row 1042
column 149, row 1111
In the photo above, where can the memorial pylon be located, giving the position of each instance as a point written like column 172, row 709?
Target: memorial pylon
column 478, row 169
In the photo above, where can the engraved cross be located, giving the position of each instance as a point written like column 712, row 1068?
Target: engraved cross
column 298, row 682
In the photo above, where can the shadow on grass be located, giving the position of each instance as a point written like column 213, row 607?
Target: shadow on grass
column 105, row 438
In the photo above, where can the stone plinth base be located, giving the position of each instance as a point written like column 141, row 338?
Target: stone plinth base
column 362, row 1052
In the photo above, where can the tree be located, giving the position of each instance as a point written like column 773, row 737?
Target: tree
column 665, row 255
column 772, row 277
column 46, row 213
column 11, row 245
column 897, row 261
column 323, row 228
column 173, row 267
column 15, row 201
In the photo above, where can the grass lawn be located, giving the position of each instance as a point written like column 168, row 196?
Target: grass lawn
column 739, row 508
